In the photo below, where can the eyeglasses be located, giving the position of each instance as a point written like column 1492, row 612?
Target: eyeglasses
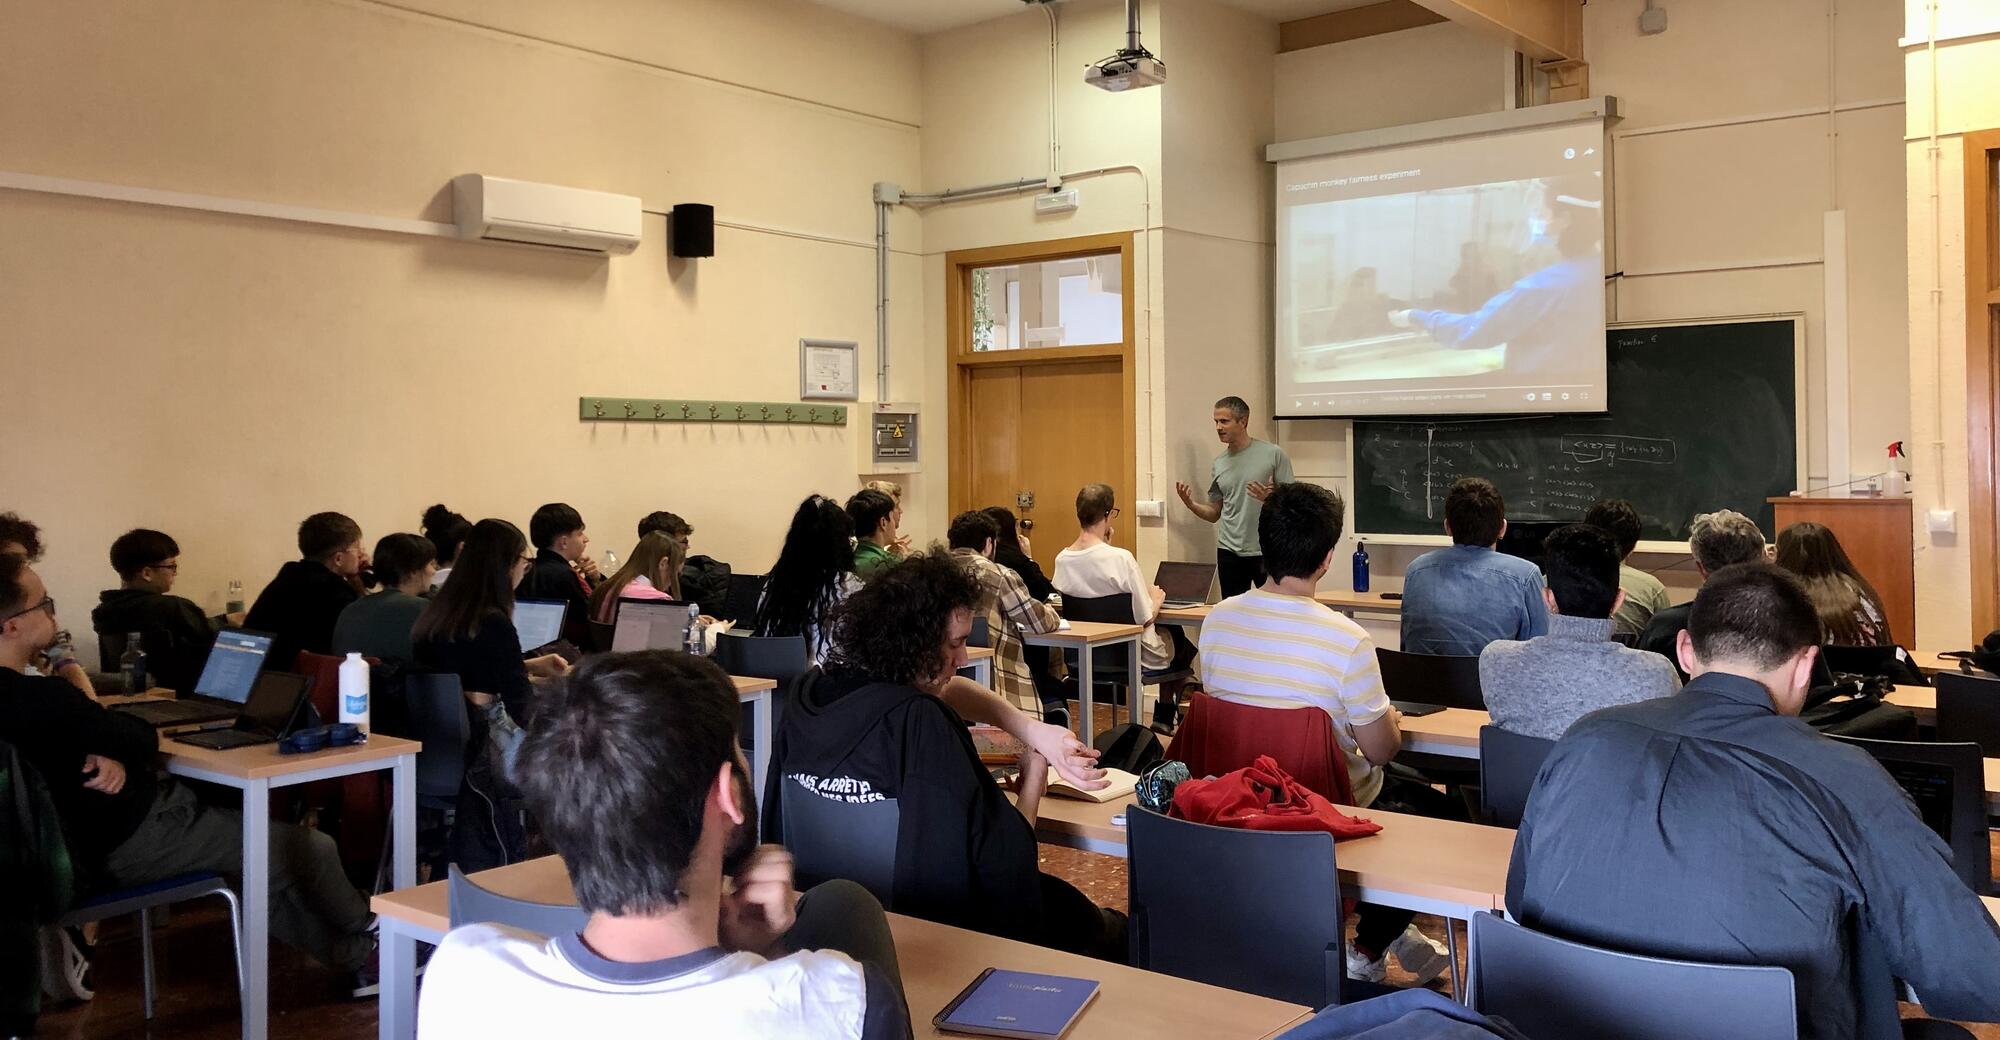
column 48, row 603
column 175, row 567
column 527, row 557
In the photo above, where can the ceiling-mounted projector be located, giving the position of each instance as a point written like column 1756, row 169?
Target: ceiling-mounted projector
column 1133, row 65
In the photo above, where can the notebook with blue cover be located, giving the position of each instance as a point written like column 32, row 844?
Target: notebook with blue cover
column 1017, row 1004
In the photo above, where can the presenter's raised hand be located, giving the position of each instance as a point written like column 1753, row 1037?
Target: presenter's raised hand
column 1186, row 493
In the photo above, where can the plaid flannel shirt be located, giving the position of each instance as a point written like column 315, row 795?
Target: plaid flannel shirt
column 1008, row 607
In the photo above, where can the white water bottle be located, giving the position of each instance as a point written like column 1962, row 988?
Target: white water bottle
column 354, row 691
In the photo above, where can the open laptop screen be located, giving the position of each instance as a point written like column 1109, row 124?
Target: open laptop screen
column 649, row 624
column 538, row 622
column 233, row 663
column 1184, row 581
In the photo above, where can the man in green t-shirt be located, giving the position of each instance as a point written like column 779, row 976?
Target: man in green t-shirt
column 1243, row 477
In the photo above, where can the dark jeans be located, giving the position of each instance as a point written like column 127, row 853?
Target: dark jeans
column 1237, row 574
column 313, row 907
column 1375, row 927
column 841, row 915
column 1074, row 924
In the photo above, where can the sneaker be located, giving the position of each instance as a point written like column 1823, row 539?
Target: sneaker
column 1361, row 969
column 366, row 981
column 1420, row 955
column 65, row 961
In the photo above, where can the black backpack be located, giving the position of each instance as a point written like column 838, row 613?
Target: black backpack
column 1130, row 747
column 1852, row 706
column 705, row 580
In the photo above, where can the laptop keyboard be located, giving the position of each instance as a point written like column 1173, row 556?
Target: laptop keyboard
column 168, row 713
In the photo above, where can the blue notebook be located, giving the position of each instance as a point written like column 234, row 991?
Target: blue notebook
column 1017, row 1004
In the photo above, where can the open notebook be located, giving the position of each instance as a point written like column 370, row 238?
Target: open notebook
column 1122, row 784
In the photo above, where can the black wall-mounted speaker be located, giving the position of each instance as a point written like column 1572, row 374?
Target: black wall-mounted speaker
column 693, row 230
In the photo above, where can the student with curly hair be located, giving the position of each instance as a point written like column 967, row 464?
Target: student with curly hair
column 887, row 720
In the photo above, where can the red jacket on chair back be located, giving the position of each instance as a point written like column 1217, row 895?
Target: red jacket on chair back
column 1217, row 737
column 1261, row 797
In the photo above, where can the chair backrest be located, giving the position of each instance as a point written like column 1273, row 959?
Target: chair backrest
column 1550, row 987
column 1968, row 710
column 1431, row 679
column 324, row 671
column 1948, row 783
column 1217, row 737
column 831, row 839
column 471, row 904
column 1114, row 609
column 782, row 658
column 111, row 647
column 740, row 605
column 1273, row 928
column 1508, row 763
column 435, row 702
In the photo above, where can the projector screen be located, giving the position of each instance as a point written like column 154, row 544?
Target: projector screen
column 1455, row 277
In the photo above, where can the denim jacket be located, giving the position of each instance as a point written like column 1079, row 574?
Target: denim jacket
column 1457, row 600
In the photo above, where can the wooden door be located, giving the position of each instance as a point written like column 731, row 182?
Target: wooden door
column 1982, row 378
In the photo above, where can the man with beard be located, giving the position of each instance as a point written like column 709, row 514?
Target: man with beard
column 634, row 773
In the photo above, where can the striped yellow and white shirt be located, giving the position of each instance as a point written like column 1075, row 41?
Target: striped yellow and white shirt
column 1278, row 651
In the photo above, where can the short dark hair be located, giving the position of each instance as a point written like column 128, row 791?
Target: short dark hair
column 323, row 534
column 1725, row 537
column 1618, row 518
column 551, row 522
column 893, row 629
column 1236, row 405
column 1300, row 524
column 618, row 769
column 13, row 528
column 447, row 531
column 1094, row 502
column 397, row 556
column 140, row 548
column 1752, row 612
column 669, row 524
column 1581, row 561
column 868, row 508
column 971, row 529
column 1475, row 511
column 1009, row 528
column 12, row 591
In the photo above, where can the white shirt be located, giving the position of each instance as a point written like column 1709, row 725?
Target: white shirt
column 1106, row 570
column 491, row 983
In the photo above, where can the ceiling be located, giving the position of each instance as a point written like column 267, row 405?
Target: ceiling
column 929, row 16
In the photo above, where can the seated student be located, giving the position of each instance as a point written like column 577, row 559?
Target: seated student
column 669, row 524
column 379, row 625
column 302, row 603
column 1457, row 600
column 1539, row 686
column 560, row 570
column 19, row 537
column 1276, row 646
column 1644, row 595
column 1093, row 567
column 888, row 716
column 653, row 571
column 127, row 826
column 1850, row 612
column 446, row 530
column 652, row 736
column 1715, row 826
column 875, row 517
column 468, row 630
column 1716, row 540
column 901, row 546
column 173, row 631
column 814, row 573
column 1011, row 550
column 1005, row 604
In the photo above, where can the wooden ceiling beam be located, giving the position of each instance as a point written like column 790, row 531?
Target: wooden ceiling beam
column 1353, row 24
column 1545, row 30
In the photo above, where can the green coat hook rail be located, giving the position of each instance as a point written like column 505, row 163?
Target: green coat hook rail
column 647, row 409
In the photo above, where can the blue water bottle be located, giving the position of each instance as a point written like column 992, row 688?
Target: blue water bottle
column 1360, row 567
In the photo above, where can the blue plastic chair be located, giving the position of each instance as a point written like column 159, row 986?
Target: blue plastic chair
column 142, row 899
column 468, row 903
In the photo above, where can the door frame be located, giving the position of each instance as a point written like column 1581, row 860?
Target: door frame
column 1982, row 372
column 958, row 266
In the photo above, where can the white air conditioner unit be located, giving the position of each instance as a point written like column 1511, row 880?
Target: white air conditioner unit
column 503, row 210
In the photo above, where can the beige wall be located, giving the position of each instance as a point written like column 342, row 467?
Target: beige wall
column 220, row 377
column 1967, row 88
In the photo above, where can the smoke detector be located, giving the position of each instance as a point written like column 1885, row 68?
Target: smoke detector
column 1133, row 66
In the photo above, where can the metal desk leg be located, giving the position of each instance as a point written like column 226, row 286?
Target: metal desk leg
column 396, row 1012
column 1457, row 974
column 1135, row 695
column 760, row 752
column 982, row 672
column 1086, row 725
column 403, row 809
column 256, row 908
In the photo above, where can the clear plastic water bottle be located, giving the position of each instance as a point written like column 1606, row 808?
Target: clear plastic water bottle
column 354, row 691
column 132, row 664
column 610, row 564
column 235, row 604
column 1360, row 567
column 694, row 638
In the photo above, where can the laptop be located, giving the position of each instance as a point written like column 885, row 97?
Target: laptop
column 1186, row 584
column 539, row 623
column 278, row 705
column 649, row 624
column 234, row 661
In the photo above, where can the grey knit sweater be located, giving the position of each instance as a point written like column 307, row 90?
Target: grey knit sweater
column 1539, row 686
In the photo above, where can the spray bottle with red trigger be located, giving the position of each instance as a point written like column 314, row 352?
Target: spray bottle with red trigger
column 1896, row 483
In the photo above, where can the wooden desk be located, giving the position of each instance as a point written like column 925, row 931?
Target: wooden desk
column 255, row 771
column 1992, row 907
column 1875, row 532
column 1191, row 617
column 1085, row 637
column 758, row 693
column 937, row 961
column 1363, row 603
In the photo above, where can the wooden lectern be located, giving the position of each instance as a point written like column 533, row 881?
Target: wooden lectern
column 1876, row 534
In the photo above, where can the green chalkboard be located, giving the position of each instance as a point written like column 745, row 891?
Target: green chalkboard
column 1702, row 416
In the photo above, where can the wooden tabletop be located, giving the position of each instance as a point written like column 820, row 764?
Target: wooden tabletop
column 1194, row 615
column 938, row 960
column 1370, row 601
column 978, row 653
column 746, row 685
column 1084, row 633
column 1992, row 907
column 1460, row 863
column 262, row 761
